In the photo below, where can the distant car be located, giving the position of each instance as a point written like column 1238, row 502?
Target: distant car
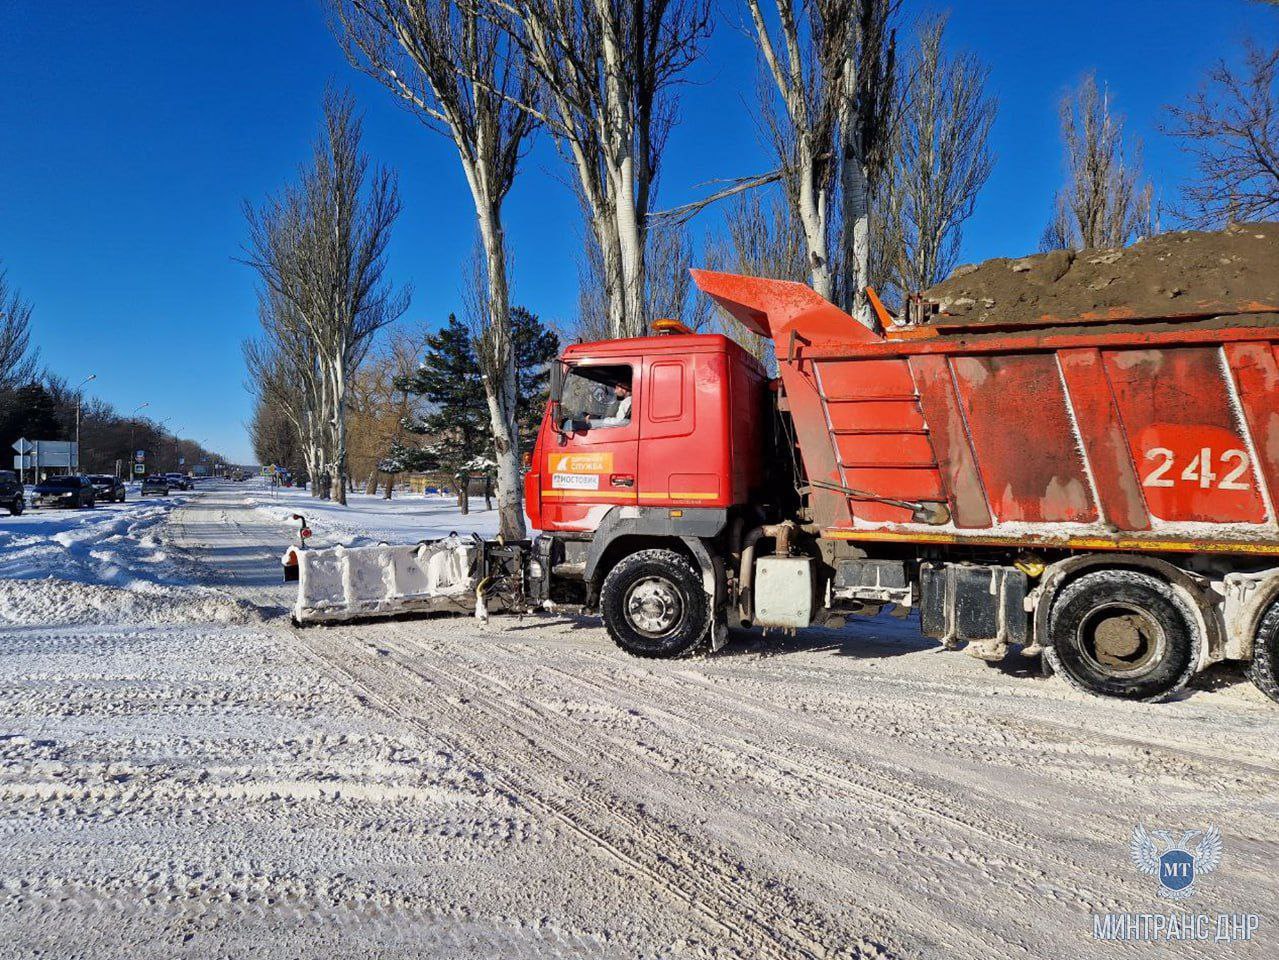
column 107, row 488
column 155, row 486
column 179, row 481
column 12, row 495
column 70, row 491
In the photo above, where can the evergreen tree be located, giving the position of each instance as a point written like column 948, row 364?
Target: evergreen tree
column 449, row 380
column 29, row 411
column 536, row 345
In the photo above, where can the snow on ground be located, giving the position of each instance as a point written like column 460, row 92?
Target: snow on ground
column 442, row 788
column 112, row 543
column 370, row 519
column 108, row 564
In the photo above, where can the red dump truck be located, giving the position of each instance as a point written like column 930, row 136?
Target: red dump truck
column 1102, row 491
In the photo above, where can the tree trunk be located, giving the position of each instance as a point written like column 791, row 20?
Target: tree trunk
column 370, row 485
column 630, row 245
column 856, row 266
column 499, row 382
column 339, row 430
column 812, row 219
column 390, row 484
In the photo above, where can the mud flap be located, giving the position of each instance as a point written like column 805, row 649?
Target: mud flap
column 973, row 604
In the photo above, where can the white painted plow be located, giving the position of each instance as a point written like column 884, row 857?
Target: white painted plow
column 344, row 584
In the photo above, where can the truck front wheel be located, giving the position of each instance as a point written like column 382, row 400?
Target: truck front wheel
column 653, row 604
column 1120, row 633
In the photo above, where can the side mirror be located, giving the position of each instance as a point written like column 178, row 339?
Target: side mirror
column 557, row 381
column 557, row 393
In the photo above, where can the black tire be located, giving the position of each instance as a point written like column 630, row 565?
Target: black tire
column 1125, row 634
column 653, row 605
column 1265, row 654
column 15, row 508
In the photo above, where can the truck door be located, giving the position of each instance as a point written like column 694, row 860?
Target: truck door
column 678, row 464
column 594, row 469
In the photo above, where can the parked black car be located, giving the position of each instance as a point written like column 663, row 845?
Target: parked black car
column 12, row 495
column 69, row 491
column 155, row 485
column 106, row 488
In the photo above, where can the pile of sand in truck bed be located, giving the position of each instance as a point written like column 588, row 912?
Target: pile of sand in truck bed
column 1186, row 273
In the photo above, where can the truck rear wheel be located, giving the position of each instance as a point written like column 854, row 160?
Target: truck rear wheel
column 1264, row 670
column 1121, row 633
column 653, row 605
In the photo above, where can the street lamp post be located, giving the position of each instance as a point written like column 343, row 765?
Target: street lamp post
column 160, row 441
column 92, row 376
column 133, row 424
column 176, row 441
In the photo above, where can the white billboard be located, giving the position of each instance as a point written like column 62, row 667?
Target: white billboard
column 45, row 455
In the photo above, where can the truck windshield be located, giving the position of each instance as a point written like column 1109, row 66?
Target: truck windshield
column 596, row 397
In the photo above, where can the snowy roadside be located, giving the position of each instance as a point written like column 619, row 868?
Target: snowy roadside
column 370, row 519
column 108, row 564
column 111, row 544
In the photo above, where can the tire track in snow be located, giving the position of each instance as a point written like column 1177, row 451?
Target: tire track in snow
column 731, row 903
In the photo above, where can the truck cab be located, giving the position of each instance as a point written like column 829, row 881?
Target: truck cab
column 692, row 440
column 644, row 496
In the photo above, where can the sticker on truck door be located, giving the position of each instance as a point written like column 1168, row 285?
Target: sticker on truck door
column 575, row 481
column 596, row 463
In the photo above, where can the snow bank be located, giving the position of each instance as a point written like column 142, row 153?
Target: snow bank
column 367, row 520
column 113, row 545
column 53, row 601
column 101, row 566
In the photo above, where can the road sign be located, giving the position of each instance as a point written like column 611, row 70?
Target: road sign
column 139, row 468
column 182, row 461
column 140, row 456
column 48, row 453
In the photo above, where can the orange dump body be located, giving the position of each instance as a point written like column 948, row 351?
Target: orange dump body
column 1150, row 434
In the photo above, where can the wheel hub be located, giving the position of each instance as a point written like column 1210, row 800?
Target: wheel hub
column 1122, row 640
column 654, row 606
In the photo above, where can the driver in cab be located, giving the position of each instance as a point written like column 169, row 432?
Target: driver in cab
column 621, row 416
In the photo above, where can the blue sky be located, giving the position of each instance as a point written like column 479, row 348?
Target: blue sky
column 131, row 132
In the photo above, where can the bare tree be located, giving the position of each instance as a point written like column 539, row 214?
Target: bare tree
column 670, row 285
column 762, row 239
column 592, row 321
column 459, row 72
column 833, row 65
column 1231, row 128
column 285, row 376
column 1105, row 202
column 18, row 361
column 608, row 71
column 320, row 250
column 940, row 161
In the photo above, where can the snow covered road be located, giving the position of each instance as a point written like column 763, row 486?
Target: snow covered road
column 184, row 785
